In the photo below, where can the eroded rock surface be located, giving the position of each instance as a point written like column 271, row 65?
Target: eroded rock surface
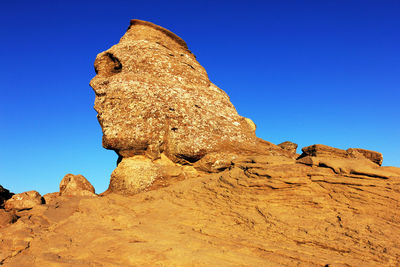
column 260, row 211
column 7, row 218
column 23, row 201
column 195, row 187
column 75, row 185
column 152, row 96
column 373, row 156
column 289, row 146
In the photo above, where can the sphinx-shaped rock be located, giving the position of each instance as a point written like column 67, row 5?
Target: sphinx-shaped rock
column 153, row 97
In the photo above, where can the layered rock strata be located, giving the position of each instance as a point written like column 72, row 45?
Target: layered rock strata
column 226, row 199
column 258, row 211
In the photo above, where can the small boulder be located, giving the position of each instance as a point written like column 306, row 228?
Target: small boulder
column 4, row 195
column 51, row 197
column 324, row 151
column 76, row 185
column 133, row 175
column 289, row 146
column 373, row 156
column 24, row 201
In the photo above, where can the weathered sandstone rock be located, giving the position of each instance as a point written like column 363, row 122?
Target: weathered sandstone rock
column 137, row 173
column 23, row 201
column 289, row 146
column 76, row 185
column 373, row 156
column 261, row 211
column 353, row 161
column 7, row 218
column 51, row 197
column 235, row 206
column 153, row 97
column 5, row 194
column 319, row 150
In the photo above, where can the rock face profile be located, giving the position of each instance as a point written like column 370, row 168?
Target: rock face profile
column 153, row 98
column 194, row 186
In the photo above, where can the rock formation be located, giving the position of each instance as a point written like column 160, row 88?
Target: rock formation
column 194, row 186
column 72, row 185
column 24, row 201
column 153, row 98
column 289, row 146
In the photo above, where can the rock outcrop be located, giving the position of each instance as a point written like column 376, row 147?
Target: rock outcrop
column 289, row 146
column 344, row 162
column 194, row 186
column 260, row 211
column 153, row 98
column 24, row 201
column 373, row 156
column 76, row 185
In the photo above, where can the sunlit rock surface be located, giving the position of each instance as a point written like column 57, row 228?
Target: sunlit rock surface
column 195, row 187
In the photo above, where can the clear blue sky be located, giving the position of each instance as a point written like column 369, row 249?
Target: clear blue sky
column 307, row 71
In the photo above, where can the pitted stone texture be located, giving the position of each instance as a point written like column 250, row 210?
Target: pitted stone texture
column 289, row 146
column 319, row 150
column 375, row 157
column 139, row 173
column 355, row 161
column 24, row 201
column 76, row 185
column 133, row 175
column 153, row 97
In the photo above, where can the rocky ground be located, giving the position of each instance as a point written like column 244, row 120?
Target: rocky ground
column 194, row 186
column 260, row 211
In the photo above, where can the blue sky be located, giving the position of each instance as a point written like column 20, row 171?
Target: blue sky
column 305, row 71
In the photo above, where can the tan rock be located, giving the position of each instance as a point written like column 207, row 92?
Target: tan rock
column 289, row 146
column 253, row 126
column 76, row 185
column 51, row 197
column 133, row 174
column 215, row 162
column 373, row 156
column 138, row 173
column 23, row 201
column 153, row 97
column 262, row 211
column 7, row 218
column 244, row 207
column 324, row 151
